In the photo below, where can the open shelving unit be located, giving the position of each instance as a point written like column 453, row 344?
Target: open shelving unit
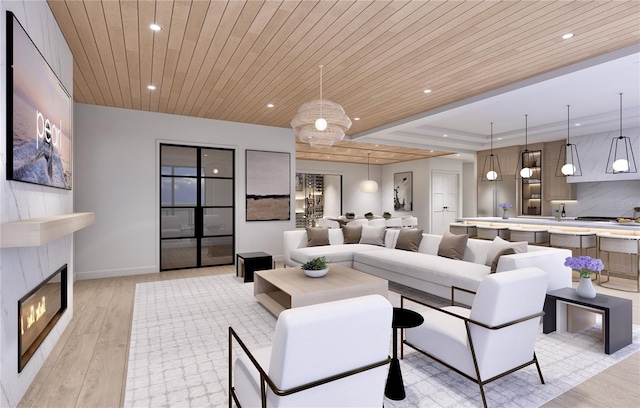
column 531, row 203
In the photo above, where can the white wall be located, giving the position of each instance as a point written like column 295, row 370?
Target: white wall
column 22, row 269
column 422, row 170
column 469, row 190
column 116, row 170
column 353, row 200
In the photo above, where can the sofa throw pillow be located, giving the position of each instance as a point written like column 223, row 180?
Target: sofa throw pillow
column 409, row 239
column 452, row 245
column 317, row 236
column 506, row 251
column 372, row 235
column 499, row 244
column 352, row 233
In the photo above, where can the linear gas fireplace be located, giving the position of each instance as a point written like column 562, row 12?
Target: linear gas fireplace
column 38, row 312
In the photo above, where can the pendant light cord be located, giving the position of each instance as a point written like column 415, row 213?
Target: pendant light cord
column 368, row 154
column 568, row 144
column 321, row 66
column 620, row 115
column 491, row 139
column 526, row 144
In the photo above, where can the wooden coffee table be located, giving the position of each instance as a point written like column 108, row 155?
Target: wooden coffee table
column 286, row 288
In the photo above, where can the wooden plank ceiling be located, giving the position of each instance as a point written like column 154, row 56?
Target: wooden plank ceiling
column 228, row 59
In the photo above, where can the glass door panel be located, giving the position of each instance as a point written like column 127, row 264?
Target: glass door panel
column 197, row 205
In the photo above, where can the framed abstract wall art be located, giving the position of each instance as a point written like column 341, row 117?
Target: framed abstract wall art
column 403, row 191
column 268, row 185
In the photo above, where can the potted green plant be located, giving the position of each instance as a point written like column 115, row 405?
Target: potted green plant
column 386, row 215
column 350, row 215
column 368, row 215
column 316, row 268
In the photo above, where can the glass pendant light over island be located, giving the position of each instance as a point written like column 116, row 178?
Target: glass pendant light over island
column 526, row 159
column 491, row 169
column 568, row 159
column 621, row 158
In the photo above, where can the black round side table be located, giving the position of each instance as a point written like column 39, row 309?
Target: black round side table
column 402, row 319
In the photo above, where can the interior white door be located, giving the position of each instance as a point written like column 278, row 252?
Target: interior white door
column 444, row 201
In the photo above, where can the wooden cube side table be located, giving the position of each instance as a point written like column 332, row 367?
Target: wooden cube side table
column 249, row 262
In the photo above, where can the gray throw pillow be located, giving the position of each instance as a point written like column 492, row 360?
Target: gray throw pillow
column 317, row 236
column 409, row 239
column 506, row 251
column 498, row 244
column 452, row 245
column 352, row 233
column 373, row 235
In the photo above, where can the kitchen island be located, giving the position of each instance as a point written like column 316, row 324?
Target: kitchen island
column 566, row 224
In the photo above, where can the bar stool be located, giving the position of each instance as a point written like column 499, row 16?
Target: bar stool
column 580, row 241
column 533, row 236
column 620, row 244
column 459, row 228
column 490, row 232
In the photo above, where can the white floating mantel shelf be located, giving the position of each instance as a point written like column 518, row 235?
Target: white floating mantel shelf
column 39, row 231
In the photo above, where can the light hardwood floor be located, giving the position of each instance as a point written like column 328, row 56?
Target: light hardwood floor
column 88, row 366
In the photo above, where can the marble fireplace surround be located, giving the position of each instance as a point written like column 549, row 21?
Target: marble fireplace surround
column 32, row 249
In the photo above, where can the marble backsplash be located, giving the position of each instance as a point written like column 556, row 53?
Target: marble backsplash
column 606, row 199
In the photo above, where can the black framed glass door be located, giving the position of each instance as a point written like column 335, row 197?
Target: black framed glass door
column 197, row 206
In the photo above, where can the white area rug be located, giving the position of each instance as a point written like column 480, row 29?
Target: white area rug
column 179, row 345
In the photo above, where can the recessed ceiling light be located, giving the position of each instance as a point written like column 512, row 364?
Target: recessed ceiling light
column 499, row 138
column 270, row 105
column 356, row 118
column 567, row 36
column 458, row 155
column 444, row 135
column 427, row 91
column 151, row 87
column 430, row 151
column 155, row 27
column 577, row 124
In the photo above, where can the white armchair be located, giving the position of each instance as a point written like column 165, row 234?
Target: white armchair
column 410, row 222
column 331, row 354
column 492, row 339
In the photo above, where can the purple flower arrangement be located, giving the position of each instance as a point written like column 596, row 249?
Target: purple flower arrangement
column 504, row 205
column 585, row 265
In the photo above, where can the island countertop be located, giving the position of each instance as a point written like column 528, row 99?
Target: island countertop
column 552, row 223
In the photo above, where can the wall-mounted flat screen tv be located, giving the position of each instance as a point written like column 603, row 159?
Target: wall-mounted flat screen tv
column 39, row 115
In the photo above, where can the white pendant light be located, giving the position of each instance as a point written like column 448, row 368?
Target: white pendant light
column 568, row 159
column 320, row 122
column 368, row 186
column 526, row 156
column 621, row 158
column 491, row 169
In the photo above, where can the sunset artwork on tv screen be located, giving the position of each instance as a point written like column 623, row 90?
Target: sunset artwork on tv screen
column 39, row 116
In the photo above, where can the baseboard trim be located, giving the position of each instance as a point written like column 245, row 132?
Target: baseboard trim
column 113, row 273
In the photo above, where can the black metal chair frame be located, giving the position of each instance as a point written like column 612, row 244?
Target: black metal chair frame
column 467, row 323
column 265, row 380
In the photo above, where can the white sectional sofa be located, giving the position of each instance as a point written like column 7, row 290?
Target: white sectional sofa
column 425, row 270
